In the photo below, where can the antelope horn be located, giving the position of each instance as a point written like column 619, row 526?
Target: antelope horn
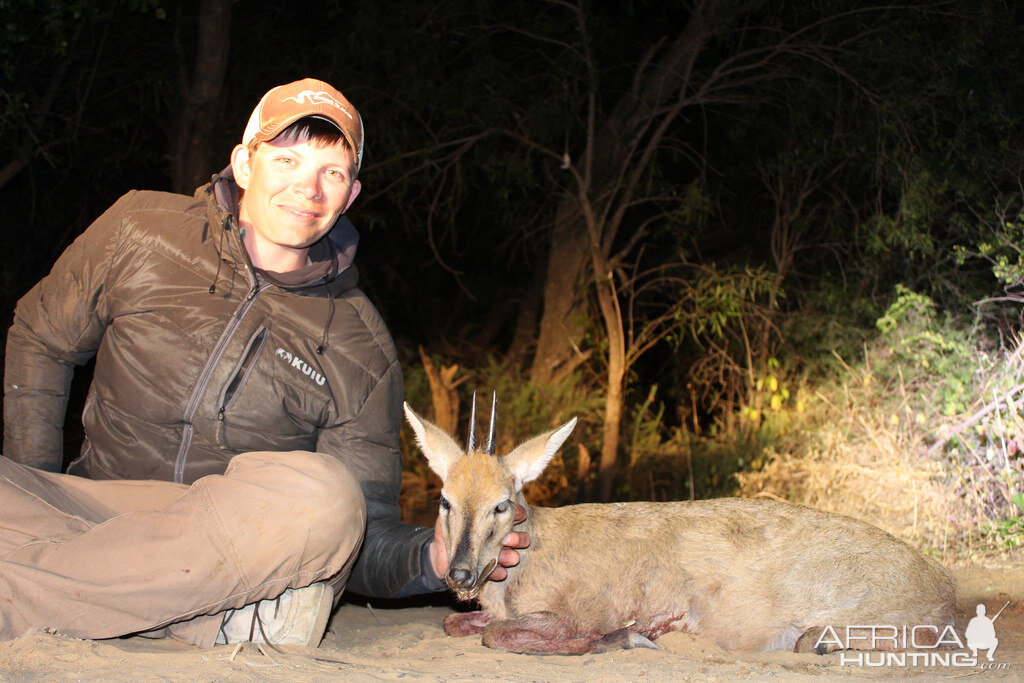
column 494, row 424
column 471, row 441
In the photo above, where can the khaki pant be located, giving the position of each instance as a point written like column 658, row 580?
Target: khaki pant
column 101, row 559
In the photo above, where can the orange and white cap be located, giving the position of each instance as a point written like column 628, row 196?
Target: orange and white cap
column 286, row 104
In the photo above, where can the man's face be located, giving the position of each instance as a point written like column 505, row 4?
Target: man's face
column 293, row 193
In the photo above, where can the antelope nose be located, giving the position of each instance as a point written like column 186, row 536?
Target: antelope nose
column 459, row 577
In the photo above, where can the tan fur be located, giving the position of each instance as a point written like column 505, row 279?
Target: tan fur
column 748, row 574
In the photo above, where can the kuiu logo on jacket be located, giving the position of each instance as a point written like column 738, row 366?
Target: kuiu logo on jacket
column 302, row 366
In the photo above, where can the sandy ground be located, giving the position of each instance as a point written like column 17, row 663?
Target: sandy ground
column 377, row 642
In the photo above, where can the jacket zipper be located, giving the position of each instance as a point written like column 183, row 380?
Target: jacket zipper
column 204, row 379
column 241, row 374
column 218, row 350
column 252, row 352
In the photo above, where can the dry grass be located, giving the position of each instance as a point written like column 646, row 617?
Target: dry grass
column 873, row 444
column 945, row 485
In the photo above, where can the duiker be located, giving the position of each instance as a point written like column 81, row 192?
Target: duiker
column 747, row 574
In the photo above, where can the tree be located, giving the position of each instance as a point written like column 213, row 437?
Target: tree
column 724, row 55
column 202, row 99
column 77, row 119
column 619, row 124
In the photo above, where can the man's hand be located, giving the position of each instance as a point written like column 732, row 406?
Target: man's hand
column 508, row 557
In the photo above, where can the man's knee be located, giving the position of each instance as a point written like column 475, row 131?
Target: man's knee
column 316, row 495
column 336, row 505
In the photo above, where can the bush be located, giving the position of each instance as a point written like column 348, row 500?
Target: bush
column 922, row 437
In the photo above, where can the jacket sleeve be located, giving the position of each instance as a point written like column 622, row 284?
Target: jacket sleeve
column 57, row 325
column 393, row 560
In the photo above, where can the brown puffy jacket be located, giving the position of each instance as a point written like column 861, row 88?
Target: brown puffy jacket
column 185, row 378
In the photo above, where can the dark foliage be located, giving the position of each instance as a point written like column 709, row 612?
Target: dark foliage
column 892, row 142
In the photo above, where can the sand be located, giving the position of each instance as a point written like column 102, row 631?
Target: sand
column 375, row 642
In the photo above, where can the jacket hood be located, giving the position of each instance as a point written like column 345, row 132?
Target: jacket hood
column 331, row 270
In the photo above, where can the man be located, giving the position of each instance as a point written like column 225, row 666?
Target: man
column 981, row 633
column 242, row 424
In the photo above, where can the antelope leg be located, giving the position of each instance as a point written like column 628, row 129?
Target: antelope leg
column 465, row 623
column 546, row 633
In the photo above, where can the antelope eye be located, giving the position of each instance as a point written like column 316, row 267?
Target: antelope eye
column 445, row 505
column 502, row 507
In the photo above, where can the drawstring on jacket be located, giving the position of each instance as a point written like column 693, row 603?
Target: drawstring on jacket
column 327, row 325
column 220, row 256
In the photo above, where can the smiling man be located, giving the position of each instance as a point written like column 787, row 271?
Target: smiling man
column 295, row 185
column 241, row 464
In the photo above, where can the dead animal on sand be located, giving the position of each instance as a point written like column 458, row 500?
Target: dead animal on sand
column 751, row 575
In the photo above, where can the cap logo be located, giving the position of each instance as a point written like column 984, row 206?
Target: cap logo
column 318, row 97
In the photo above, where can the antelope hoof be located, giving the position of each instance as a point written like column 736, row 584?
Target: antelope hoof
column 625, row 639
column 806, row 642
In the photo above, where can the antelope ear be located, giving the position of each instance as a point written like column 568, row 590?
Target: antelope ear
column 440, row 449
column 529, row 459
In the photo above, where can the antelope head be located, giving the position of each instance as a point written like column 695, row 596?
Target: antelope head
column 479, row 493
